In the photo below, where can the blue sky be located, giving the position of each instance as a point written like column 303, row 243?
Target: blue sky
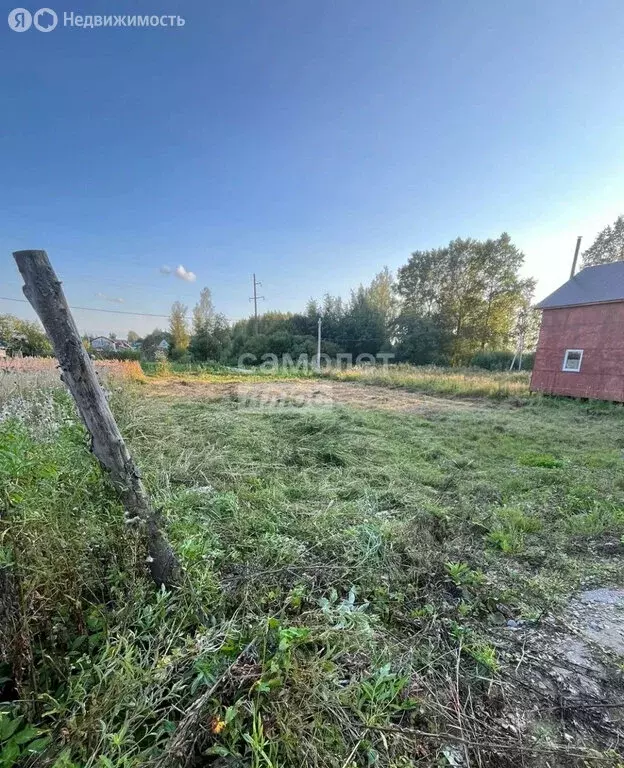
column 309, row 141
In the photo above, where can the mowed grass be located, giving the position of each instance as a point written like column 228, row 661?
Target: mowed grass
column 453, row 382
column 431, row 379
column 346, row 572
column 222, row 374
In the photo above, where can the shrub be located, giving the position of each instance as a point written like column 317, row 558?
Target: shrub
column 500, row 360
column 119, row 354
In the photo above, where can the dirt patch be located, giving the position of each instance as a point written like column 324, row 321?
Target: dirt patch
column 308, row 393
column 598, row 616
column 565, row 674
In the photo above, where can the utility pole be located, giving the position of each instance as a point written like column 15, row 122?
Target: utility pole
column 318, row 345
column 255, row 298
column 576, row 253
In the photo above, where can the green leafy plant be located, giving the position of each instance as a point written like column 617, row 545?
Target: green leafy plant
column 18, row 739
column 462, row 574
column 546, row 460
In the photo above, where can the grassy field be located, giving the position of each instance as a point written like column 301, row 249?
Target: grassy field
column 450, row 382
column 350, row 576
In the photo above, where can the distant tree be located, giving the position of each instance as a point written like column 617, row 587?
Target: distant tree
column 178, row 330
column 526, row 327
column 363, row 325
column 332, row 311
column 112, row 335
column 382, row 296
column 420, row 340
column 204, row 311
column 211, row 341
column 133, row 336
column 608, row 245
column 382, row 300
column 23, row 337
column 504, row 293
column 469, row 291
column 150, row 343
column 211, row 333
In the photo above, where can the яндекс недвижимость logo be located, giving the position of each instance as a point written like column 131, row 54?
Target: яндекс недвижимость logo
column 45, row 20
column 21, row 20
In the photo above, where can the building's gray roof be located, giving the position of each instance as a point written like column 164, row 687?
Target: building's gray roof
column 592, row 285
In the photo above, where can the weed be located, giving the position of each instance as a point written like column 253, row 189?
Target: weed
column 462, row 574
column 18, row 740
column 546, row 460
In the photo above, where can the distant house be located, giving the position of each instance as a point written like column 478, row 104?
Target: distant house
column 102, row 344
column 163, row 346
column 580, row 351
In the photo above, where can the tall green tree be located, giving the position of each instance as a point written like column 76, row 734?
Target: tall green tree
column 150, row 343
column 608, row 245
column 468, row 291
column 363, row 327
column 204, row 311
column 211, row 341
column 504, row 293
column 211, row 332
column 177, row 328
column 382, row 296
column 382, row 299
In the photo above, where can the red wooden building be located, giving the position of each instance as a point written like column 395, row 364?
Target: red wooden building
column 580, row 351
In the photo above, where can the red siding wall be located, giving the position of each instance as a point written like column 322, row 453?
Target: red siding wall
column 596, row 329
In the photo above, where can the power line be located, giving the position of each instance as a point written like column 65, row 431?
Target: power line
column 95, row 309
column 111, row 311
column 335, row 340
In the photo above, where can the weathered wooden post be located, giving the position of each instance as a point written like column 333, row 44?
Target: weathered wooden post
column 43, row 290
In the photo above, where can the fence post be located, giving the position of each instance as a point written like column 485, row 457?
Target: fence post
column 43, row 290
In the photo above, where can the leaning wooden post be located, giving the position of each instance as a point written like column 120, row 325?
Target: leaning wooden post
column 43, row 290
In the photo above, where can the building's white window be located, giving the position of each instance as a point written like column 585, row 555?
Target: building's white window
column 572, row 360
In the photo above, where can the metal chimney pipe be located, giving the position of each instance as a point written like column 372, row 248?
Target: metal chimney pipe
column 576, row 253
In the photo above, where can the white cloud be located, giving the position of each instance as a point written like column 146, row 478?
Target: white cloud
column 183, row 274
column 114, row 299
column 180, row 271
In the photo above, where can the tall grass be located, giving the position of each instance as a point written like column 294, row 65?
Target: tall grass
column 213, row 372
column 20, row 376
column 459, row 382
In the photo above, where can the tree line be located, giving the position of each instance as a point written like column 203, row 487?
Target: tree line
column 453, row 305
column 444, row 306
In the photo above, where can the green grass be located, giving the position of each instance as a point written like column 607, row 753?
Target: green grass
column 450, row 382
column 344, row 565
column 214, row 372
column 436, row 380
